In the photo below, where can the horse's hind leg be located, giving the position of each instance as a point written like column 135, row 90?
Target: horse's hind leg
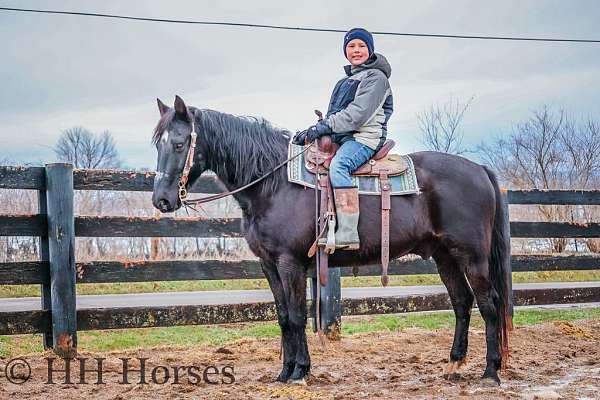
column 293, row 279
column 487, row 298
column 288, row 339
column 461, row 297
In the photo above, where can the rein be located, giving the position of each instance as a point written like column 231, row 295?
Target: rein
column 189, row 163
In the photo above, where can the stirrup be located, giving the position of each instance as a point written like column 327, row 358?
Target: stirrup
column 329, row 242
column 351, row 246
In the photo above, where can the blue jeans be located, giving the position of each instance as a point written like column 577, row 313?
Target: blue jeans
column 348, row 158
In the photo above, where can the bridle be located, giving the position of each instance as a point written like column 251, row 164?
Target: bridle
column 189, row 163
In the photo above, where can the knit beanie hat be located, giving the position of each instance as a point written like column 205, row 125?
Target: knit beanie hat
column 362, row 34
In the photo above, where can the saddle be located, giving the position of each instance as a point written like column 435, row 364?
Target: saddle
column 320, row 157
column 382, row 165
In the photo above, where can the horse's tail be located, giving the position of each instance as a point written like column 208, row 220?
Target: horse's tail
column 500, row 270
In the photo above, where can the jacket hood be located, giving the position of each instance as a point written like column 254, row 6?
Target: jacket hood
column 376, row 61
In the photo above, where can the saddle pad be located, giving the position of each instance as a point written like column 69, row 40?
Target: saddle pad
column 403, row 184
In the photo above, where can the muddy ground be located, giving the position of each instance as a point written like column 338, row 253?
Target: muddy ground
column 549, row 360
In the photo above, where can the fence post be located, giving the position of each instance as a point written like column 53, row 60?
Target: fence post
column 61, row 238
column 331, row 304
column 45, row 289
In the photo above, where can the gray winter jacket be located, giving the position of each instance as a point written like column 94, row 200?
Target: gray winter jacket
column 361, row 103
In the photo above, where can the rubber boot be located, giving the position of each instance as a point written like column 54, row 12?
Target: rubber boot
column 346, row 209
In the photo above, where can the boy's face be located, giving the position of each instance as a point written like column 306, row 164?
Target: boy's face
column 357, row 52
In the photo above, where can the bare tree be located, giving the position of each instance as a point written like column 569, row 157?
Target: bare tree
column 531, row 156
column 582, row 145
column 440, row 126
column 550, row 151
column 84, row 149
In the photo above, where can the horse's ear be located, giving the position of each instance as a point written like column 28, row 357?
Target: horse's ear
column 181, row 108
column 162, row 108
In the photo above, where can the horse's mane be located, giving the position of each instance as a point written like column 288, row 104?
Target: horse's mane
column 244, row 148
column 240, row 148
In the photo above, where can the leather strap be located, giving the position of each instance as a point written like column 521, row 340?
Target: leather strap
column 386, row 205
column 323, row 266
column 225, row 194
column 189, row 163
column 325, row 190
column 331, row 217
column 313, row 248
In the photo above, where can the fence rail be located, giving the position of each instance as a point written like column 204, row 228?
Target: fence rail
column 96, row 179
column 55, row 274
column 35, row 272
column 120, row 180
column 92, row 226
column 20, row 322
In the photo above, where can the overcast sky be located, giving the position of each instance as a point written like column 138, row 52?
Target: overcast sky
column 61, row 71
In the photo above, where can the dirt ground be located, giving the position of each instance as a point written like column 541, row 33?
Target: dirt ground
column 553, row 360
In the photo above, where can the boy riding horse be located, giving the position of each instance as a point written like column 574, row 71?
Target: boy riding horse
column 360, row 107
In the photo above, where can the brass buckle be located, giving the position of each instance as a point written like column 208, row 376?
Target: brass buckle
column 182, row 191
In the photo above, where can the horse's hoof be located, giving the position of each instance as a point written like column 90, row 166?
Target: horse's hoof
column 455, row 376
column 300, row 372
column 301, row 382
column 490, row 375
column 488, row 381
column 286, row 371
column 453, row 367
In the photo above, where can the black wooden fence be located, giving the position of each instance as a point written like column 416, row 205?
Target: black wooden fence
column 57, row 271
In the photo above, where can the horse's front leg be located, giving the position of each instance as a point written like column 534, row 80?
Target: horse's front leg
column 293, row 279
column 288, row 339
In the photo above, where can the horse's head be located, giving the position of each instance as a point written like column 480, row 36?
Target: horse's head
column 173, row 139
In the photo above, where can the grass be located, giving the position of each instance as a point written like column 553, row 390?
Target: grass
column 445, row 319
column 216, row 335
column 196, row 336
column 243, row 284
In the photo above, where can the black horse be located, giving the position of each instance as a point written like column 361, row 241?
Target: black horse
column 457, row 219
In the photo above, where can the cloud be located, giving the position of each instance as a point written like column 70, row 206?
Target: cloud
column 61, row 71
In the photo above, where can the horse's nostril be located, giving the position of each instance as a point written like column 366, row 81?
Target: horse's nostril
column 163, row 205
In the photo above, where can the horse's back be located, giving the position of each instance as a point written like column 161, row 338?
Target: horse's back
column 459, row 195
column 448, row 175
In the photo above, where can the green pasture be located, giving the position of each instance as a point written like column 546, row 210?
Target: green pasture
column 242, row 284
